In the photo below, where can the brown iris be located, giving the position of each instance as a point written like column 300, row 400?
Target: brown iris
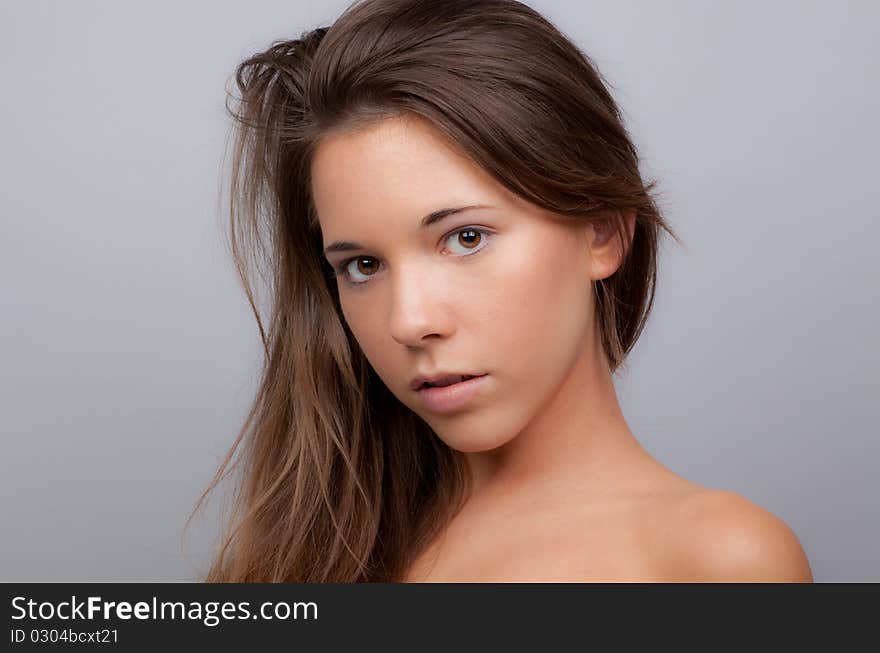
column 473, row 235
column 360, row 267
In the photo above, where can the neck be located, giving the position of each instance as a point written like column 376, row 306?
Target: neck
column 574, row 440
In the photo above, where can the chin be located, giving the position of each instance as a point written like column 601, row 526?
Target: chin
column 473, row 444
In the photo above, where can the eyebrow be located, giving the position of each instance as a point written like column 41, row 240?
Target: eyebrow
column 427, row 221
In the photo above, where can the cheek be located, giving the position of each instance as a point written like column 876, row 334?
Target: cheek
column 533, row 318
column 537, row 318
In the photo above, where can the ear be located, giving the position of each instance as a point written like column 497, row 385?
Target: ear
column 605, row 246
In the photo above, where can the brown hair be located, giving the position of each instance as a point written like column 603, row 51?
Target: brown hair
column 341, row 482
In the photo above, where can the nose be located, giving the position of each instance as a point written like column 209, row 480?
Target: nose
column 418, row 307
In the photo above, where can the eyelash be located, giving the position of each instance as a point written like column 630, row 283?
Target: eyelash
column 340, row 270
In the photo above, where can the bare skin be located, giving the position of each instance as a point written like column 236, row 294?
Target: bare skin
column 601, row 512
column 560, row 536
column 562, row 489
column 686, row 533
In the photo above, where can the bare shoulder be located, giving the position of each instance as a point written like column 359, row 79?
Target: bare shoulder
column 720, row 536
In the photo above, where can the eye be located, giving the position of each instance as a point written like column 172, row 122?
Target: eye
column 472, row 238
column 344, row 270
column 469, row 238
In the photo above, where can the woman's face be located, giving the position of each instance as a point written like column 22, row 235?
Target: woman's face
column 503, row 290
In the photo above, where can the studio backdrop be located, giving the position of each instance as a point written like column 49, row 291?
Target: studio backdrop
column 130, row 354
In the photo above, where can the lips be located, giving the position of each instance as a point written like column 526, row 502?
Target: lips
column 447, row 380
column 441, row 380
column 455, row 397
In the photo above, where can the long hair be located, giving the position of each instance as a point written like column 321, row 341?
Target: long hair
column 339, row 481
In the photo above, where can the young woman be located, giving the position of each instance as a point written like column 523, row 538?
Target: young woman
column 460, row 252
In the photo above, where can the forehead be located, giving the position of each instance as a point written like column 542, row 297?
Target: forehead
column 399, row 167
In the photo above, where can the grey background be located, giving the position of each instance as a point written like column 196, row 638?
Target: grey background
column 129, row 354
